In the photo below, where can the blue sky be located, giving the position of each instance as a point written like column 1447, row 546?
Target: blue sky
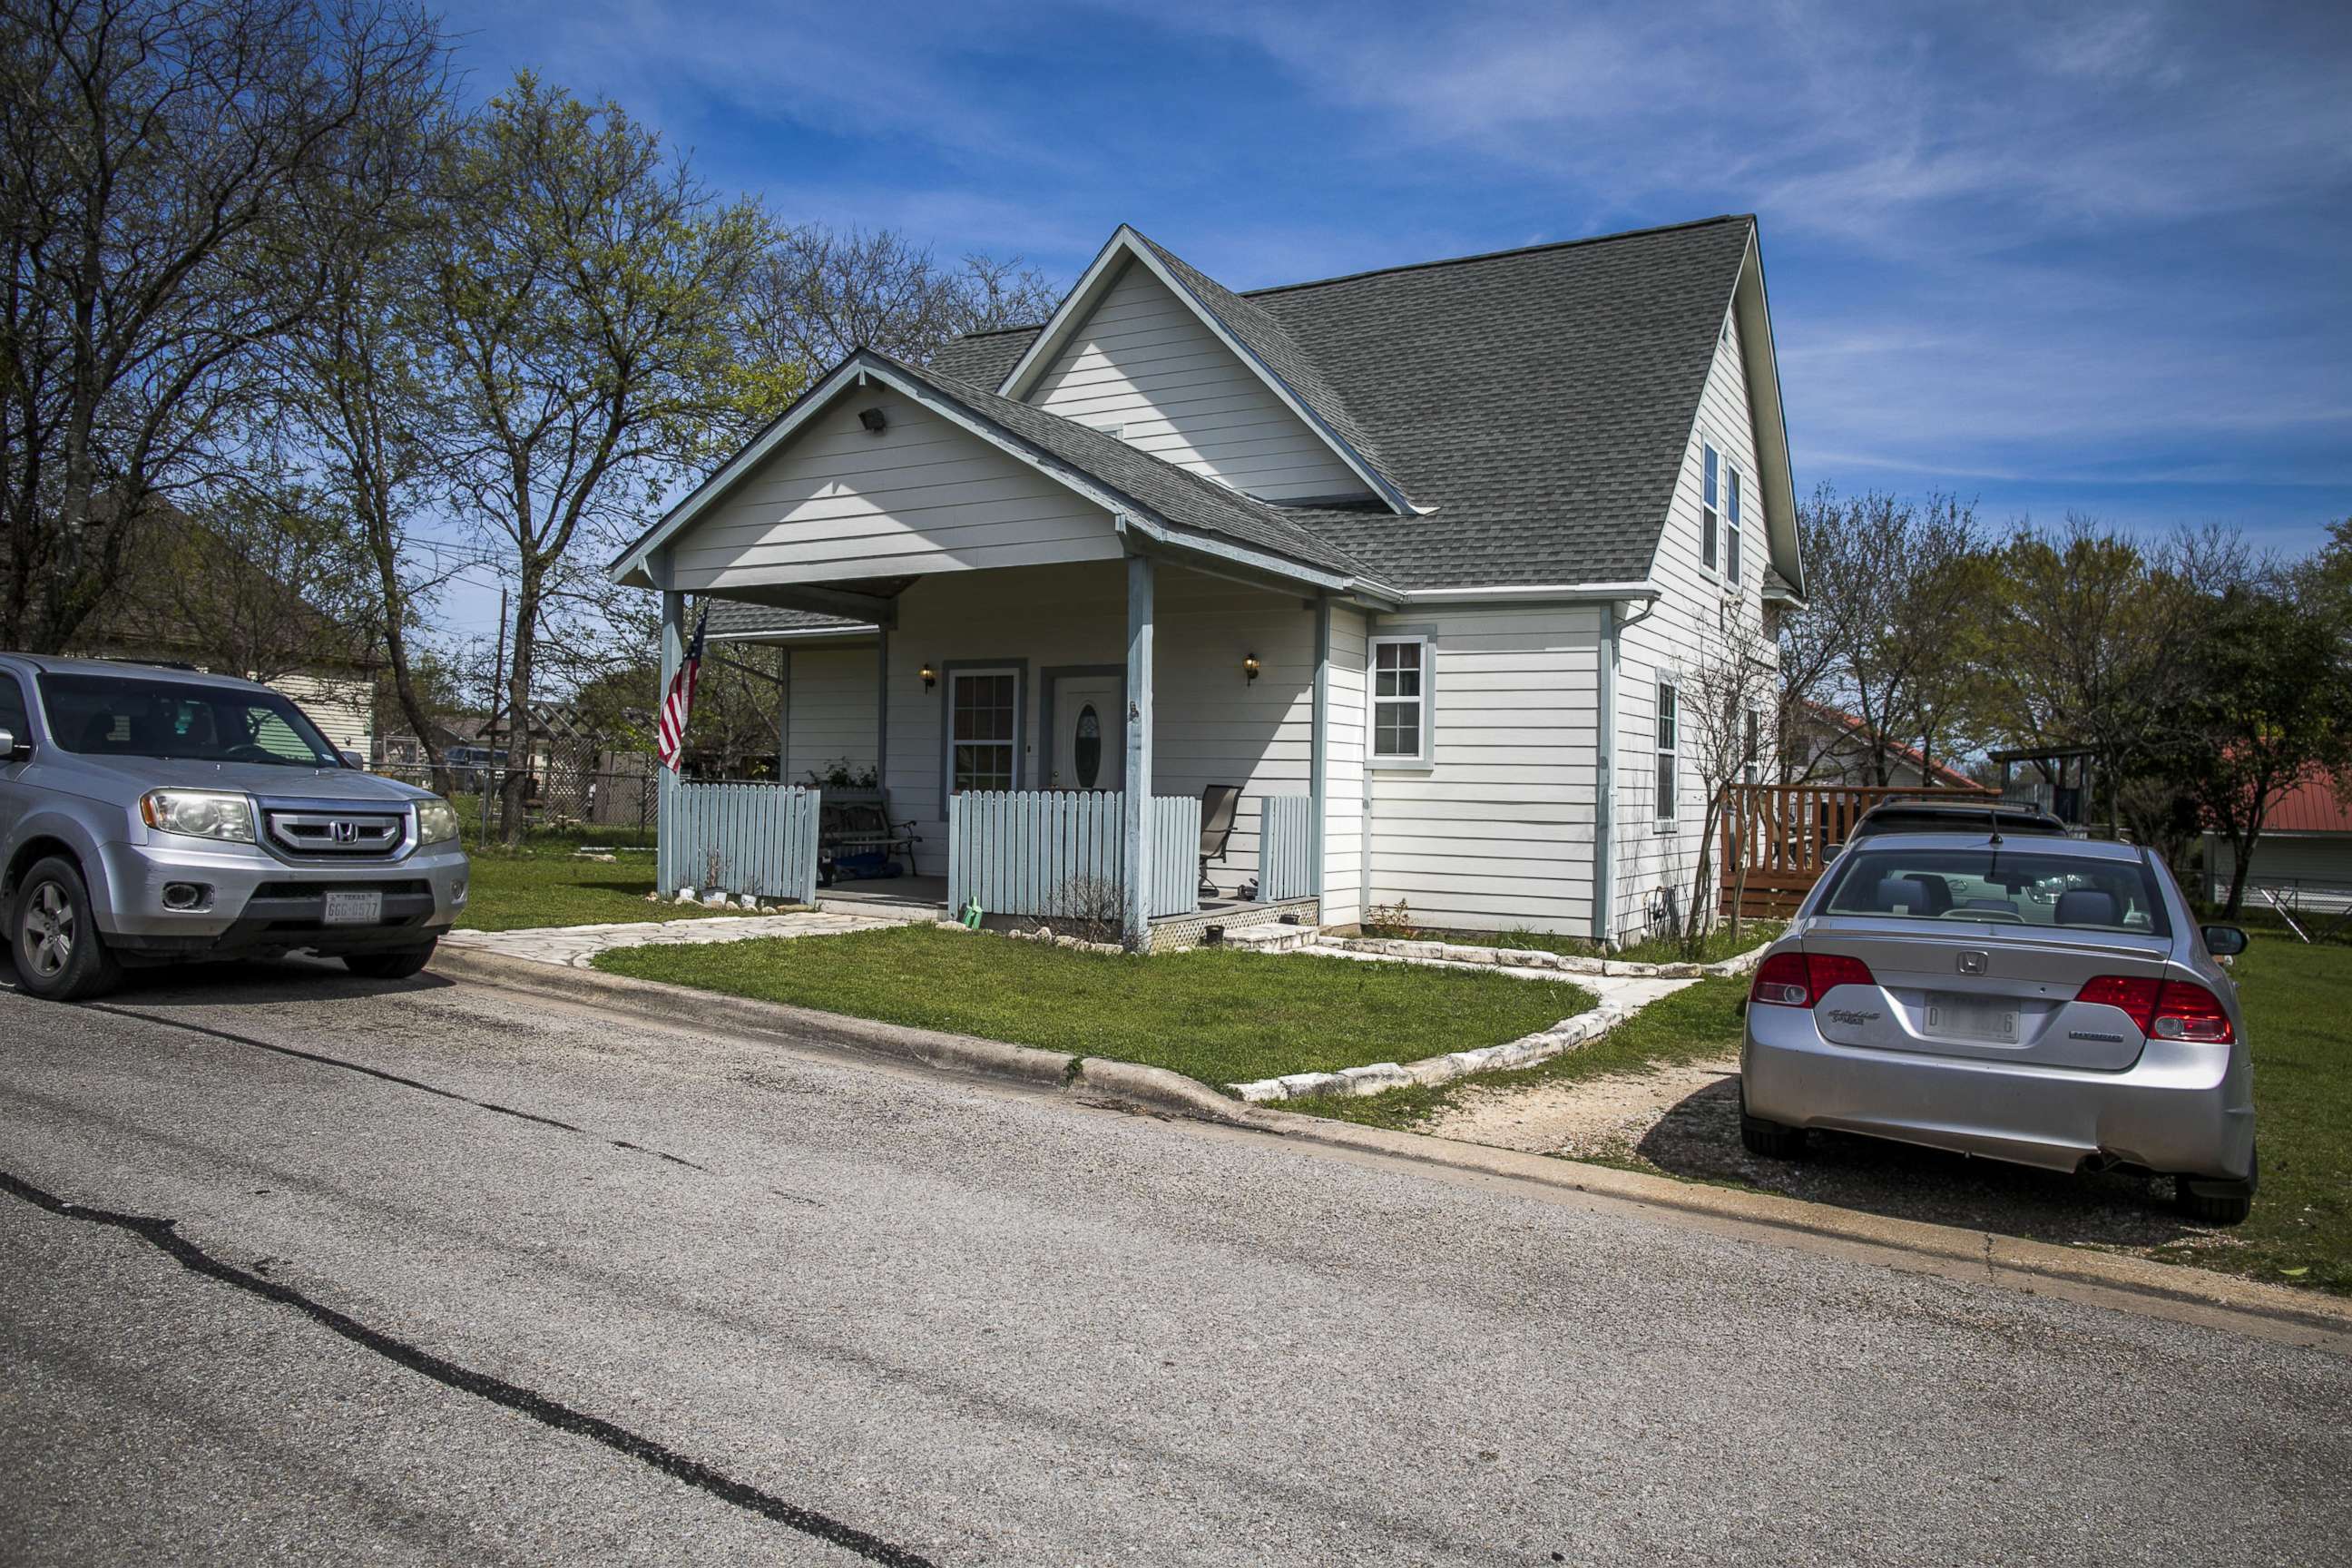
column 2050, row 258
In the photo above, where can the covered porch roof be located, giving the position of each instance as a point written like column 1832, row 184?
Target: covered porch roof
column 1154, row 507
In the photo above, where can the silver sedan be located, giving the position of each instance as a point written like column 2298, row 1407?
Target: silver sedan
column 2045, row 1001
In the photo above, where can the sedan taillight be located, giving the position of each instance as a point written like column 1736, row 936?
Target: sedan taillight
column 1803, row 979
column 2164, row 1010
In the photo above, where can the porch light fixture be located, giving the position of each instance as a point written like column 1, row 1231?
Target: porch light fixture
column 930, row 676
column 874, row 420
column 1249, row 666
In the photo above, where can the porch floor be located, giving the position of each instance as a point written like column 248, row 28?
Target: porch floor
column 896, row 897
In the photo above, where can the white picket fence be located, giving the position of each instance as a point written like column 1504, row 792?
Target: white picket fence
column 1286, row 848
column 756, row 838
column 1057, row 854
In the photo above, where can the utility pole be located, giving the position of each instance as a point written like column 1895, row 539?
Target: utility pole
column 491, row 733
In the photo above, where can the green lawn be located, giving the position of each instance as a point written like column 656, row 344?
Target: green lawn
column 1716, row 946
column 548, row 885
column 1218, row 1016
column 1701, row 1020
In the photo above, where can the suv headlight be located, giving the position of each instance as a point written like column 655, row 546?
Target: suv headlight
column 436, row 821
column 199, row 814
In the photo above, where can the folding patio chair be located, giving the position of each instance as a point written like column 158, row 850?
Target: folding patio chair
column 1220, row 803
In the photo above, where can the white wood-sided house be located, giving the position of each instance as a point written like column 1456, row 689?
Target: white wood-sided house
column 1414, row 557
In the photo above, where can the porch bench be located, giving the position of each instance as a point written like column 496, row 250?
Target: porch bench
column 857, row 837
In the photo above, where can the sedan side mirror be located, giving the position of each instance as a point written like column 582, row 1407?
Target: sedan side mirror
column 2224, row 941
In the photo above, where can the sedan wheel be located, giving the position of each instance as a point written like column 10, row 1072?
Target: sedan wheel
column 59, row 954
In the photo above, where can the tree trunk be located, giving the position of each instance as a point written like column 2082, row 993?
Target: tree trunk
column 513, row 790
column 1739, row 835
column 1701, row 905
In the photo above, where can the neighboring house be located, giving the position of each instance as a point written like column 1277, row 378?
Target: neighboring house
column 2304, row 855
column 1426, row 547
column 1828, row 745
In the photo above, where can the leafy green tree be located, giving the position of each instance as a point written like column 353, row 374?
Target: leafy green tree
column 2266, row 703
column 590, row 297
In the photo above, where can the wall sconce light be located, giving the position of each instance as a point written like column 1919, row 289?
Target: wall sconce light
column 930, row 676
column 874, row 420
column 1249, row 666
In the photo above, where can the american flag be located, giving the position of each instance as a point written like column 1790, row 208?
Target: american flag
column 678, row 702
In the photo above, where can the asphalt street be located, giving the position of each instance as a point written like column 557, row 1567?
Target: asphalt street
column 297, row 1269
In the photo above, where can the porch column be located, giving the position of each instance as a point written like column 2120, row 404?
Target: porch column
column 785, row 714
column 673, row 654
column 882, row 707
column 1318, row 765
column 1136, row 798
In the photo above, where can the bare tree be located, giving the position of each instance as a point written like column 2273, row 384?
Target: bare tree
column 821, row 294
column 1720, row 699
column 148, row 154
column 1892, row 585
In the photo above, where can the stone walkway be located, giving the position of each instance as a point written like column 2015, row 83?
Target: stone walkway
column 576, row 947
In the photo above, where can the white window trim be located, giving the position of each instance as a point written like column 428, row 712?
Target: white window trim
column 1426, row 757
column 1020, row 685
column 1667, row 808
column 1708, row 450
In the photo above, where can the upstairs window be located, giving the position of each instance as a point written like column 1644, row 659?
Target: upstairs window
column 1400, row 700
column 1731, row 523
column 1752, row 749
column 1667, row 789
column 1710, row 515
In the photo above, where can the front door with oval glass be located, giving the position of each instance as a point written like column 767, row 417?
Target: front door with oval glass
column 1089, row 742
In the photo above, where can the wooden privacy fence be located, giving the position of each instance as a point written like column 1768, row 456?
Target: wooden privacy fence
column 1286, row 848
column 1057, row 854
column 1782, row 834
column 756, row 838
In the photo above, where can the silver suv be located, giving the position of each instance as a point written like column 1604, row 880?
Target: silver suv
column 2042, row 1000
column 149, row 816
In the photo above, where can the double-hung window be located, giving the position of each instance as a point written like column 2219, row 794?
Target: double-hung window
column 985, row 728
column 1710, row 511
column 1667, row 789
column 1399, row 700
column 1731, row 524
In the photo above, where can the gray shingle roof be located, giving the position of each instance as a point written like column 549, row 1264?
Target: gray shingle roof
column 739, row 618
column 1539, row 400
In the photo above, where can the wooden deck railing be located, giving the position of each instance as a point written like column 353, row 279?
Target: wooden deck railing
column 1782, row 834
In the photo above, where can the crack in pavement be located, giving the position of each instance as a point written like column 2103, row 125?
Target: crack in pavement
column 163, row 1236
column 300, row 1055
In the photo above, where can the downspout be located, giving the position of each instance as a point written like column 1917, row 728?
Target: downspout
column 1604, row 794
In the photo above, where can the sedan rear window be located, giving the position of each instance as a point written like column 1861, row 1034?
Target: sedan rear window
column 1998, row 885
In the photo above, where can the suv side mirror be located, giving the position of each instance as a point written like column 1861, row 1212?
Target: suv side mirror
column 354, row 760
column 11, row 748
column 2224, row 941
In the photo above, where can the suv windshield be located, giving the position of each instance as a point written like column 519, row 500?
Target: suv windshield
column 123, row 716
column 1998, row 884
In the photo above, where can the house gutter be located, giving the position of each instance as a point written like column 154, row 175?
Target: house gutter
column 1604, row 793
column 1570, row 593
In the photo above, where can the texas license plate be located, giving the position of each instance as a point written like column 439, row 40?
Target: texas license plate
column 346, row 907
column 1959, row 1018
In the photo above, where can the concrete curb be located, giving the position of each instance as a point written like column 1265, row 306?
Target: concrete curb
column 2003, row 1259
column 1146, row 1088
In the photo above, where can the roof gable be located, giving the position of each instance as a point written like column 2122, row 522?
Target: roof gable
column 1536, row 404
column 1254, row 339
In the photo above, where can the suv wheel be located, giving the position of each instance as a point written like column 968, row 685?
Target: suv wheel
column 1768, row 1139
column 59, row 952
column 398, row 963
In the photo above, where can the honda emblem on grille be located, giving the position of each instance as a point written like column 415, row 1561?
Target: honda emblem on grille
column 1972, row 963
column 348, row 832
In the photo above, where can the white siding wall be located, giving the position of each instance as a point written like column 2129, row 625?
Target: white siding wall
column 1651, row 861
column 343, row 709
column 923, row 496
column 2320, row 862
column 1345, row 777
column 1145, row 363
column 1212, row 725
column 1499, row 834
column 832, row 711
